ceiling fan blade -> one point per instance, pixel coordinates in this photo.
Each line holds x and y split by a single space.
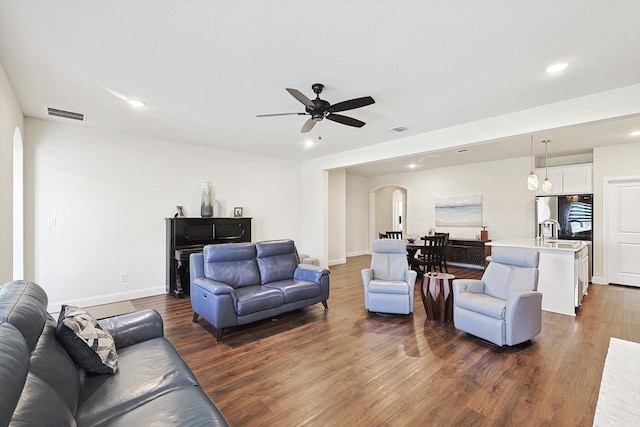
351 104
280 114
309 124
300 97
349 121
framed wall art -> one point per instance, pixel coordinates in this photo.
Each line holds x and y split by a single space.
459 211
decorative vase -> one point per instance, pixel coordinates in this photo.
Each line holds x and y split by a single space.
205 202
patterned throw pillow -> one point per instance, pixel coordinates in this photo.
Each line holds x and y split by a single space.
90 346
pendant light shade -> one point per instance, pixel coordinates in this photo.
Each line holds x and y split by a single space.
532 179
547 187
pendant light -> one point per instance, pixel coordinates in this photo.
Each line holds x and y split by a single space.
532 180
546 185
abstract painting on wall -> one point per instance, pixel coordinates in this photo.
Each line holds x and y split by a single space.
459 211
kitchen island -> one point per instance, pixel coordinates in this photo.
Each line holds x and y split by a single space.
563 271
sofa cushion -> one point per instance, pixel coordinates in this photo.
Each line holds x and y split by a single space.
233 264
277 260
482 303
24 305
296 290
51 363
251 299
146 371
184 407
388 287
14 366
41 405
87 343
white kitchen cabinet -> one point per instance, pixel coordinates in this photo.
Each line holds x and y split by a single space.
563 271
583 273
572 179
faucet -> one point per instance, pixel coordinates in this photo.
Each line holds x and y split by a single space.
554 229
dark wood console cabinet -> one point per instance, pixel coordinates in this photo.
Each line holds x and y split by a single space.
186 236
468 252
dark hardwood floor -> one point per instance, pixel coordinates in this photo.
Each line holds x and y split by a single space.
348 367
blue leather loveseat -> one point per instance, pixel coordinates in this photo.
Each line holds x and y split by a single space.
40 385
238 283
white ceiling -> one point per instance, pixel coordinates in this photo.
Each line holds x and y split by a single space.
205 69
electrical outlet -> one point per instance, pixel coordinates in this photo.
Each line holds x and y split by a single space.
123 277
51 221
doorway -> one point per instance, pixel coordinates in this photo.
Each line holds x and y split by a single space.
622 231
387 210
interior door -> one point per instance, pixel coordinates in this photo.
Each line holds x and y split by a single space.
622 206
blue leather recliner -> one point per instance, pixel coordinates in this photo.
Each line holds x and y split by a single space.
389 283
503 307
238 283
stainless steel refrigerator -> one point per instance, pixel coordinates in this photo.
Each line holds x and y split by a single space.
572 211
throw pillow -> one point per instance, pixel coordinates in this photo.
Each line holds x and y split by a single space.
90 346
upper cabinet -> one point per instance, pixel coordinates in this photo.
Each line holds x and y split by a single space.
572 179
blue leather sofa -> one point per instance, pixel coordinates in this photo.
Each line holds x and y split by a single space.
42 386
238 283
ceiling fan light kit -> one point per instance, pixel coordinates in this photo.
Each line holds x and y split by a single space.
320 109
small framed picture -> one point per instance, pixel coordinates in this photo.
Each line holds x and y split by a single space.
237 212
180 211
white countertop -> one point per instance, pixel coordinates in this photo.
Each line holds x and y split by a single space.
540 244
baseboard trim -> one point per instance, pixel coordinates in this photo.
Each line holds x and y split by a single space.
357 253
56 306
337 261
598 280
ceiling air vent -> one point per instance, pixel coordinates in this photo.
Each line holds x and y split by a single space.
398 129
55 112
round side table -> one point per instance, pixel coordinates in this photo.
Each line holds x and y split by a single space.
437 296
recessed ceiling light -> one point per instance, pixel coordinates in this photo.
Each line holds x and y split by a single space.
135 103
555 68
432 155
635 133
398 129
412 166
462 150
308 143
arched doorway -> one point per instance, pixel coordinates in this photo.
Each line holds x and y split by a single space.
387 210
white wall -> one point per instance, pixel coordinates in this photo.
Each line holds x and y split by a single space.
609 162
502 185
10 119
108 194
357 217
337 216
600 106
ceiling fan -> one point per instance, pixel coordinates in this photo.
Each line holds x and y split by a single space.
320 109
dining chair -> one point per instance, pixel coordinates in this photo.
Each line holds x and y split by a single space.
382 235
394 235
430 256
443 252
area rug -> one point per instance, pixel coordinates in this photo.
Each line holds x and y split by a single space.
110 310
619 398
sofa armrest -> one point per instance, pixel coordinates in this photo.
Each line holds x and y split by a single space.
133 328
523 317
196 266
474 286
310 273
526 305
410 277
367 276
213 286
